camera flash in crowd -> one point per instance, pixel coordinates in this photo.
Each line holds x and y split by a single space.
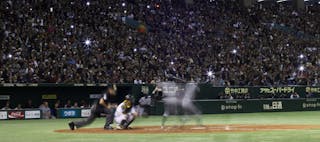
301 68
171 63
125 11
87 42
234 51
123 4
157 5
9 56
209 73
51 9
71 26
88 3
135 50
301 56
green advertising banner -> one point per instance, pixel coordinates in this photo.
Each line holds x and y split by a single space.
69 113
247 106
73 112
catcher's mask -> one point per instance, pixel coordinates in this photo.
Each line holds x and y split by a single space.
127 104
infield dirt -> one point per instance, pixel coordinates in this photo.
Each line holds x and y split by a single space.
193 129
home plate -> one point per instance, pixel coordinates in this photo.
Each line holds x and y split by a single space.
227 127
198 128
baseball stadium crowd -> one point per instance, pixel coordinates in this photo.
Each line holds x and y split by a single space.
209 41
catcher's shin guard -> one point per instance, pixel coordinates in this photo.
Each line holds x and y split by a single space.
126 125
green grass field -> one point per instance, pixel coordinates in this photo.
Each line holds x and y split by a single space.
43 130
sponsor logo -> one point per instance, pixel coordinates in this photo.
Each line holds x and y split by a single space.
95 96
33 84
231 107
49 97
3 115
276 105
85 112
16 115
69 113
310 105
8 85
32 114
78 84
4 97
277 90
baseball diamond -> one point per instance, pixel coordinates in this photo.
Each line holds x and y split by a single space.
244 127
195 129
159 70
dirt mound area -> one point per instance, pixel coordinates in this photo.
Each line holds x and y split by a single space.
193 129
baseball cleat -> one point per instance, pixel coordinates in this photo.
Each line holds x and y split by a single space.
129 128
119 128
71 126
108 128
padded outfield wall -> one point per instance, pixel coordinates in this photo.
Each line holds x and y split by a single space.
206 99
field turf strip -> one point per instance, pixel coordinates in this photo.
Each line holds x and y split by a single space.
42 130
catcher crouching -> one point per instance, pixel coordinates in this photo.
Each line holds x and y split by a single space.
125 114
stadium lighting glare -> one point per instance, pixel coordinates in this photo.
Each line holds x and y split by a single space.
88 3
87 42
209 73
234 51
301 56
123 4
301 68
9 56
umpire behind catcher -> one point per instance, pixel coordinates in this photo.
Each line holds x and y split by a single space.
103 105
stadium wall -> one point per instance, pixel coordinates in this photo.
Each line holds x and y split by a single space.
207 99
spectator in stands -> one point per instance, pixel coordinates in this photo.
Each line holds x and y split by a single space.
221 95
19 107
283 95
46 111
55 109
68 104
239 96
29 104
75 105
310 95
268 44
83 104
229 97
7 106
247 96
294 95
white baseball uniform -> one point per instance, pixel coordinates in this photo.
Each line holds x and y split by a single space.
121 115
